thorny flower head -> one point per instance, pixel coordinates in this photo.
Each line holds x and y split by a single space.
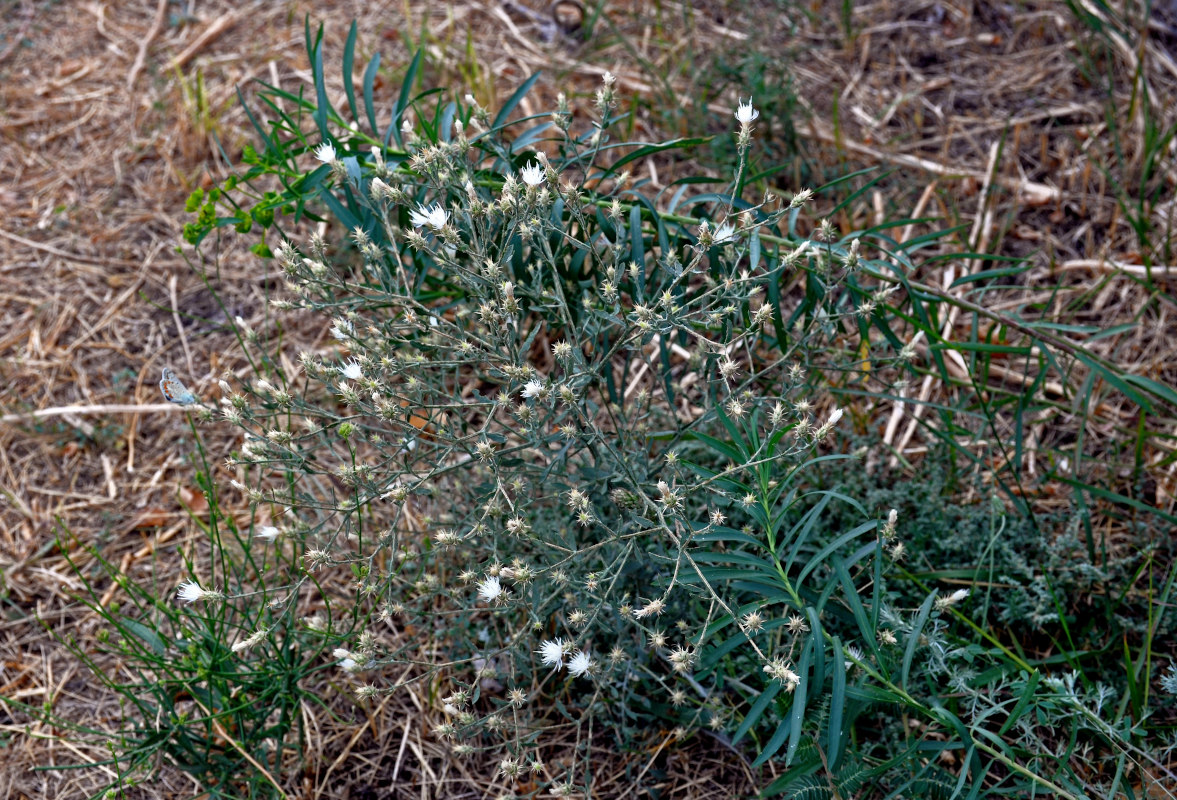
745 113
532 174
435 216
191 591
581 664
325 153
551 652
490 590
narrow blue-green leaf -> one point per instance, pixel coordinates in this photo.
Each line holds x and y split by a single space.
402 101
982 347
650 149
783 729
913 640
340 211
774 299
513 101
865 628
1023 702
445 127
835 739
816 561
721 447
800 532
797 714
819 653
987 274
1153 387
1114 380
146 634
321 104
528 136
757 709
637 249
349 56
369 81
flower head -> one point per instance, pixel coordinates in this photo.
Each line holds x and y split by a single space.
325 153
532 174
268 532
533 388
435 216
352 370
724 233
551 652
250 641
490 590
580 664
943 603
745 113
191 591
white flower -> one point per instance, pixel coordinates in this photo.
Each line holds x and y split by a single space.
190 592
532 174
580 664
551 652
250 641
352 371
834 417
745 113
435 216
342 329
957 596
490 590
325 152
724 233
268 532
943 603
533 388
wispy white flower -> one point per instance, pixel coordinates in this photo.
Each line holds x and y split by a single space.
580 664
250 641
190 592
533 388
834 417
325 152
268 532
745 113
435 216
724 233
342 329
532 174
551 652
352 371
490 590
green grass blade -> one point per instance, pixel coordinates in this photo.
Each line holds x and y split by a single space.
913 639
835 736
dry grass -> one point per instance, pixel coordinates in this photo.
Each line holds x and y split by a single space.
109 116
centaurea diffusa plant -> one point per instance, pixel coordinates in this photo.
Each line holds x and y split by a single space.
570 422
532 379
